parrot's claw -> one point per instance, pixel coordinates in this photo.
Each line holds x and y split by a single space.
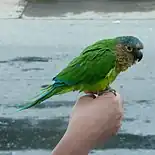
109 89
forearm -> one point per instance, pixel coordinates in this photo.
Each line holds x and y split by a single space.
69 146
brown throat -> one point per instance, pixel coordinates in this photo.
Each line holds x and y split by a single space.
124 58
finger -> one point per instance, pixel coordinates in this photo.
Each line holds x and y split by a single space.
90 95
84 100
87 98
109 95
87 92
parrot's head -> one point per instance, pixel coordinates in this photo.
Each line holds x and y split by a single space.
131 46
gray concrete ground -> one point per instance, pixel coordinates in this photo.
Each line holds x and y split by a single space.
78 9
33 51
63 8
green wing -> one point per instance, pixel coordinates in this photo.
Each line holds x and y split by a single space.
93 64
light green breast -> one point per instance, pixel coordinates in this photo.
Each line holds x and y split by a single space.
102 84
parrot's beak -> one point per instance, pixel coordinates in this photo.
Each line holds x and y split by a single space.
138 55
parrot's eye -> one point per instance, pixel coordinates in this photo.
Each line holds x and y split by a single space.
129 49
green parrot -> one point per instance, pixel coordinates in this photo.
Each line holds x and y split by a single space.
94 69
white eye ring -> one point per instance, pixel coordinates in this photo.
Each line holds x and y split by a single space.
129 49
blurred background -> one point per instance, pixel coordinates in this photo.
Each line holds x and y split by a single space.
37 40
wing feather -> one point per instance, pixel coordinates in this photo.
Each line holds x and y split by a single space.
91 66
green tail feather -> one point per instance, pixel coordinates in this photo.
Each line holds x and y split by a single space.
45 94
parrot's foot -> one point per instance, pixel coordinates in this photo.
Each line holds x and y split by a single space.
107 90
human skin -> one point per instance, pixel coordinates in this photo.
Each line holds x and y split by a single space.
93 121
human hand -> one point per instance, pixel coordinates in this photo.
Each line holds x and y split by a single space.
93 120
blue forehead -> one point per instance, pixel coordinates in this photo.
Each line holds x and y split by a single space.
130 41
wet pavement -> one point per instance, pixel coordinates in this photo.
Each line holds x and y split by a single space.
89 9
33 51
